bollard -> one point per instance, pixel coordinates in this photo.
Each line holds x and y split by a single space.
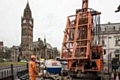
112 76
12 72
27 68
27 65
39 67
117 76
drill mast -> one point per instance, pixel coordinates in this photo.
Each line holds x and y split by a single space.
78 48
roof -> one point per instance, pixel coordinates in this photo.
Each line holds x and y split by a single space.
27 6
27 11
15 46
37 43
109 23
49 46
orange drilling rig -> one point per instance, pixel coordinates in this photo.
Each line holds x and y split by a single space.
84 56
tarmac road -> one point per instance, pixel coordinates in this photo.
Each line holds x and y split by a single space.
105 78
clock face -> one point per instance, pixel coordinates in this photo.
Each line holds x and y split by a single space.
24 21
30 22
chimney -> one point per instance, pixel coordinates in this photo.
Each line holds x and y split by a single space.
38 39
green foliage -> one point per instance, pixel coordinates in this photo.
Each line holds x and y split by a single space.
6 54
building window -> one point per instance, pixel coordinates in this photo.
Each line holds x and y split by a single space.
105 29
103 43
99 28
117 56
113 27
109 37
117 51
104 51
117 41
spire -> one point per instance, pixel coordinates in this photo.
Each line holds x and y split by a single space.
27 6
45 41
27 11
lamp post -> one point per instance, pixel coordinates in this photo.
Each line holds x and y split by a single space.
109 59
44 49
44 46
39 52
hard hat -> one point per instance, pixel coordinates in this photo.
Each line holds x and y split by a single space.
32 56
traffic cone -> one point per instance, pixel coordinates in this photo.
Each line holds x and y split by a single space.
112 76
117 77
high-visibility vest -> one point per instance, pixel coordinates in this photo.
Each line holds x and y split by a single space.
33 69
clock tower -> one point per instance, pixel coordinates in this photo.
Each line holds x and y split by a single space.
26 33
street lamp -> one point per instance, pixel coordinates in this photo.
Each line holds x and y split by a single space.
44 44
39 56
109 59
44 47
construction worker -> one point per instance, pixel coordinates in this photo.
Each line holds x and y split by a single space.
33 72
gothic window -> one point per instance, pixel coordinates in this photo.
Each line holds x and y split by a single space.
23 32
24 21
23 57
30 22
24 27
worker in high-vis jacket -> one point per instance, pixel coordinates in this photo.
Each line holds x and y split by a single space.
33 72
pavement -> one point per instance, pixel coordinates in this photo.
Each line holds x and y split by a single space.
40 78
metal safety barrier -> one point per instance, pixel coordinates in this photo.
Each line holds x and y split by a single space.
10 73
7 74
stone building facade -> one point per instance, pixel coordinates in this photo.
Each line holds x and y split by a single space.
38 48
26 32
1 45
109 35
29 47
43 49
15 51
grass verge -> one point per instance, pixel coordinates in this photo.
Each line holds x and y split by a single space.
7 64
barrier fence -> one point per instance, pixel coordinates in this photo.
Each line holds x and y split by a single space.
10 73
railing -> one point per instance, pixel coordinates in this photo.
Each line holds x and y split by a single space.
7 74
10 73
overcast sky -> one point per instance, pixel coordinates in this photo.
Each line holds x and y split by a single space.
49 18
